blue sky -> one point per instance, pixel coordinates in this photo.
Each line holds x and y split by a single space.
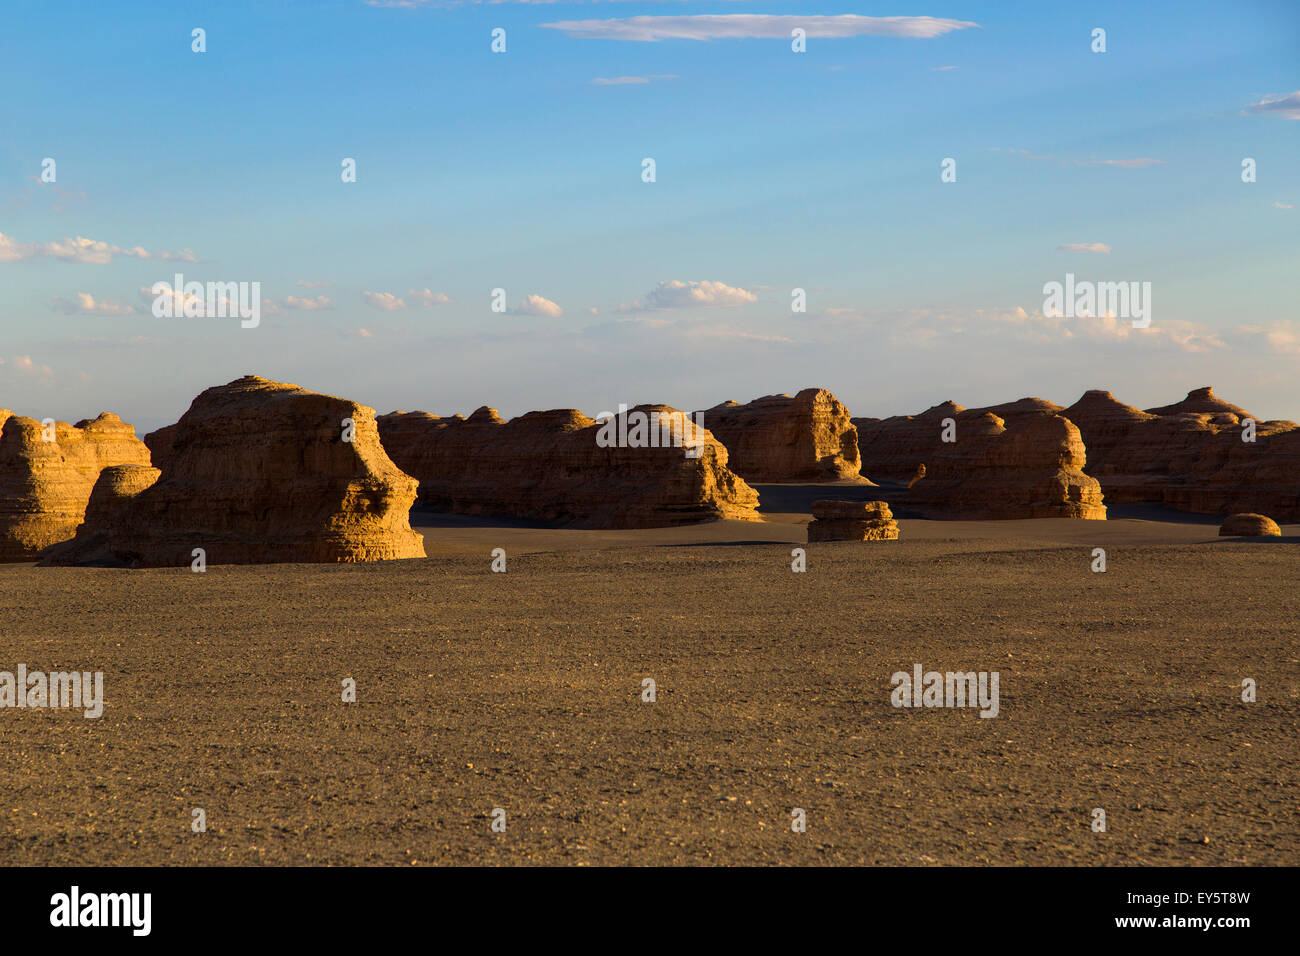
775 170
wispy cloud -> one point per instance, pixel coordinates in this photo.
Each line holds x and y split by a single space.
428 298
293 303
1287 105
85 304
1278 204
1125 163
309 284
1100 247
80 249
736 26
632 80
1135 163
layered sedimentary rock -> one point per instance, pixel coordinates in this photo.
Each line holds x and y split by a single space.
255 472
835 520
561 466
1248 526
809 437
1025 467
45 485
1191 455
1019 460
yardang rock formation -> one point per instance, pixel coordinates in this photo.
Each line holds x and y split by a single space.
255 472
549 466
46 485
1191 455
1019 460
809 437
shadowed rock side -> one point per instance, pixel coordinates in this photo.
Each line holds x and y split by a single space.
45 486
1020 460
549 466
1191 455
778 438
255 472
838 520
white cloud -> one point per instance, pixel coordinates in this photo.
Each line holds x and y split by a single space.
84 304
537 305
364 333
632 80
1277 204
293 303
385 301
676 294
1287 105
180 298
753 25
428 298
1085 247
83 250
309 284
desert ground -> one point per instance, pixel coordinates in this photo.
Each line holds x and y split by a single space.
523 690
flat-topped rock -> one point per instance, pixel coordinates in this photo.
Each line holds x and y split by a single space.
809 437
1249 526
256 472
838 520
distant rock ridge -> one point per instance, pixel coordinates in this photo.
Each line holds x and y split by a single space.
45 486
550 466
255 472
1191 456
776 438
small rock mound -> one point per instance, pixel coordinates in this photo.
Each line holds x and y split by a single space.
1249 526
837 520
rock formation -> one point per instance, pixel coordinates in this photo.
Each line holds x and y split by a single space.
649 467
1191 455
45 485
1024 467
778 438
835 520
255 472
1019 460
1248 526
